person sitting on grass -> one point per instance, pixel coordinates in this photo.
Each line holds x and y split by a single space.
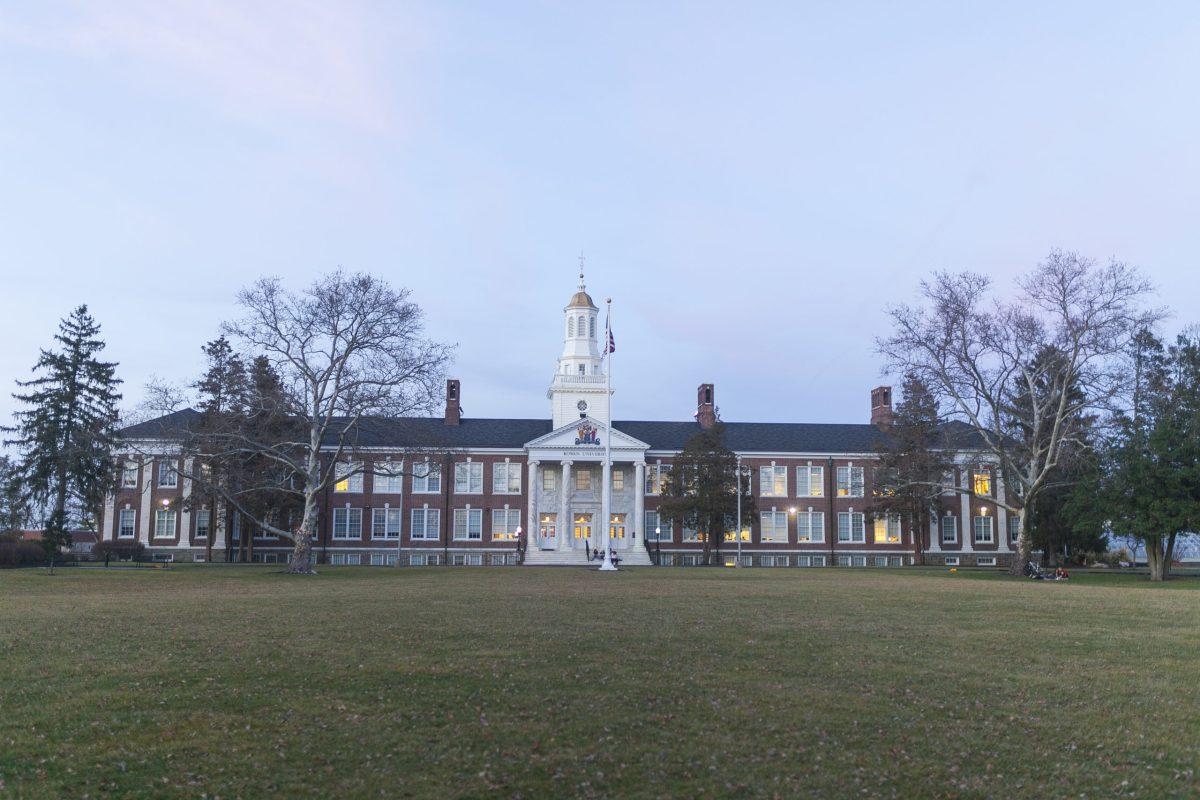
1060 574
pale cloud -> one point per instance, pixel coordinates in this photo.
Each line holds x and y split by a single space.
256 60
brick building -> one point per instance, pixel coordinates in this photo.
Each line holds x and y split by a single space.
485 483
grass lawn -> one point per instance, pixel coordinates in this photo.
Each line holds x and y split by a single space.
450 682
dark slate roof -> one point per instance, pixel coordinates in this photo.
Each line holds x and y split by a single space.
512 434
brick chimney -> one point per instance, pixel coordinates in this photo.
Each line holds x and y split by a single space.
706 410
881 406
453 408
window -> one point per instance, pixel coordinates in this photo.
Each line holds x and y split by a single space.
773 526
657 478
548 525
385 523
657 529
982 480
772 481
125 524
168 478
549 480
692 535
389 477
571 327
616 527
618 480
810 481
983 530
164 523
203 517
851 527
505 522
347 523
858 561
881 561
949 529
427 479
468 477
129 473
810 526
583 480
949 482
1014 528
506 478
383 559
348 477
887 529
345 559
849 481
732 536
952 561
592 327
803 561
985 562
426 523
468 524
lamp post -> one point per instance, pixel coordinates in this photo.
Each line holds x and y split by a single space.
738 533
519 532
658 545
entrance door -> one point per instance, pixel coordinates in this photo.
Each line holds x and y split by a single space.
547 531
616 532
582 532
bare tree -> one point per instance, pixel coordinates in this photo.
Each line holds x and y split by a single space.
986 359
347 349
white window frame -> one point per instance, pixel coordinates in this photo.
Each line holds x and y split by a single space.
549 480
168 478
893 530
813 526
953 529
855 521
350 523
171 517
203 522
985 561
129 475
1014 528
428 532
991 529
851 481
468 477
657 476
472 525
505 522
618 480
506 477
810 481
951 561
770 532
343 481
427 478
388 477
131 515
772 477
385 522
651 535
579 473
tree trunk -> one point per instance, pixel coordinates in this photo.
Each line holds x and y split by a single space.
301 561
1024 544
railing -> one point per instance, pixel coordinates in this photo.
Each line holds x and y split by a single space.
561 379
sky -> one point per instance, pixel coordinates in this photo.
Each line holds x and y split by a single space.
751 183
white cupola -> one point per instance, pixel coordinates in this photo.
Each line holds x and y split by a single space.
578 387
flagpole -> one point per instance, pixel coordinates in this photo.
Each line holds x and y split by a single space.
606 565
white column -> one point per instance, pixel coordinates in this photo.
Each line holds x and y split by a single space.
185 516
935 533
216 526
639 503
564 506
968 533
144 515
531 523
1003 545
110 518
605 506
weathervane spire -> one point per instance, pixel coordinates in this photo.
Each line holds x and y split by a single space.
581 259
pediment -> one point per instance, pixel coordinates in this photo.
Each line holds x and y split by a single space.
585 435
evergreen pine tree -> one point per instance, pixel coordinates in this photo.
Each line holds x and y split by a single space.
14 504
67 429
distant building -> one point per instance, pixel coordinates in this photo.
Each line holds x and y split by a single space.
82 541
543 476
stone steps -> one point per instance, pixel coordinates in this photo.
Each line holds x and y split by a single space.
534 557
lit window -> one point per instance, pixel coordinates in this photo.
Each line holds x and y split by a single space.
468 477
983 530
983 482
129 475
468 524
773 527
887 529
657 478
849 481
127 519
168 478
949 529
851 527
583 480
772 481
505 522
548 525
348 477
616 527
385 523
692 535
427 479
810 526
164 524
426 523
549 480
347 523
810 481
732 536
389 477
506 478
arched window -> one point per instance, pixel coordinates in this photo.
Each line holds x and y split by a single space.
570 326
592 327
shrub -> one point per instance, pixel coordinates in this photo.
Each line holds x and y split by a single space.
119 551
21 554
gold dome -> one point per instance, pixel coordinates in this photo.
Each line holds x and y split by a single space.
581 299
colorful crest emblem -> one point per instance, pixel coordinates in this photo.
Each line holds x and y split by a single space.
586 434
